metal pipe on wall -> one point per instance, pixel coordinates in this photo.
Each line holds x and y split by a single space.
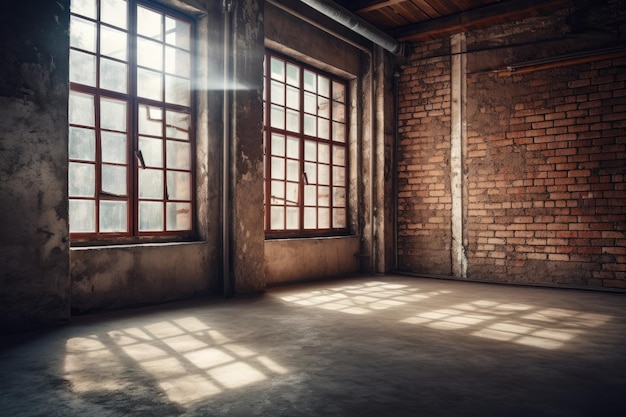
227 284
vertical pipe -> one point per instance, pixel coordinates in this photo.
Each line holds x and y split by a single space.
394 186
371 162
226 278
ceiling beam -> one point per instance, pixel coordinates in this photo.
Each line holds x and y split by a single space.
495 13
379 5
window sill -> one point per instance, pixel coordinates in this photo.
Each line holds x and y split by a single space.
136 245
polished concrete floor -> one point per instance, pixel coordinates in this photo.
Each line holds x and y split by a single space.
366 346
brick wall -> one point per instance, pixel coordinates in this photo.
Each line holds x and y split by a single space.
545 163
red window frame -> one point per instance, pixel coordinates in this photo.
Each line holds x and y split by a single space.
306 150
136 129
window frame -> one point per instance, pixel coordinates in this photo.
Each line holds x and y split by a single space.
134 102
268 130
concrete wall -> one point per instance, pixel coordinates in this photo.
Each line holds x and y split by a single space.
34 243
543 159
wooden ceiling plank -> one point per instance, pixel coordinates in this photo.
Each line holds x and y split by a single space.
411 12
379 5
426 8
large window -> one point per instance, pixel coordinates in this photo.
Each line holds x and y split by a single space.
306 156
131 146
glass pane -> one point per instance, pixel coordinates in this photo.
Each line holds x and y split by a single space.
278 192
309 81
113 43
82 68
323 218
323 153
178 185
177 125
293 170
112 114
150 120
152 151
149 23
339 132
278 69
339 155
339 197
82 34
323 86
293 98
323 196
278 93
293 75
178 154
293 147
114 179
113 216
84 7
82 216
114 12
292 219
113 75
310 150
81 180
278 117
149 84
293 120
277 218
113 147
81 109
323 128
310 171
292 198
150 216
82 144
323 107
178 216
310 218
278 145
177 32
310 125
310 195
177 90
339 112
150 54
278 168
339 218
323 174
339 175
177 62
150 183
310 103
339 92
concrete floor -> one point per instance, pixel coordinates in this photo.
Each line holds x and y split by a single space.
368 346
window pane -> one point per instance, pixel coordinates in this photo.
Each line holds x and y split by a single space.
323 196
113 216
150 54
178 216
112 114
178 185
82 68
277 218
292 197
339 112
323 86
293 147
82 144
150 183
84 7
339 197
339 92
149 23
152 151
339 132
339 218
113 43
113 75
293 98
323 218
278 192
82 34
114 12
323 107
113 147
82 216
278 168
278 93
178 155
150 120
310 218
177 125
278 145
323 128
292 218
81 180
310 125
310 103
293 170
293 75
339 155
278 117
310 195
323 153
310 150
114 179
150 216
293 120
310 170
339 175
177 90
278 69
177 62
177 32
323 174
81 109
149 84
309 81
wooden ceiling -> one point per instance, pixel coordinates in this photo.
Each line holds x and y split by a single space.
414 20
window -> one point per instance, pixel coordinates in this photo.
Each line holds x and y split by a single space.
131 142
306 156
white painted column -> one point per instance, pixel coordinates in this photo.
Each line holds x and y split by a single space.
457 151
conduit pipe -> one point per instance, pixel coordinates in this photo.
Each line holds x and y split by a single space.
227 284
348 19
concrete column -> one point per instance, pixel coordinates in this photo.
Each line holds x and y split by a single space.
457 151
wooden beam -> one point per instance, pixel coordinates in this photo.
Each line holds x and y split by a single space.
377 6
495 13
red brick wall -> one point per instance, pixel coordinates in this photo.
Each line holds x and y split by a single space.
545 165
